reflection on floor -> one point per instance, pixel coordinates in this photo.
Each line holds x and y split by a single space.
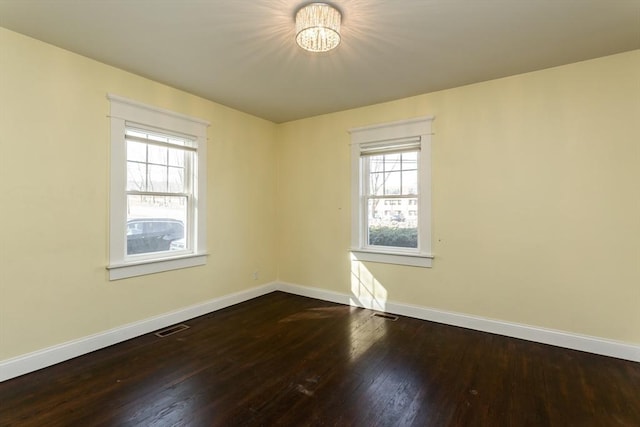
282 359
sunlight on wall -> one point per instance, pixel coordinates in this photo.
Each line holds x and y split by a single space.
366 290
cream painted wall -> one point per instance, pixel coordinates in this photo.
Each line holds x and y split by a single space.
54 151
536 200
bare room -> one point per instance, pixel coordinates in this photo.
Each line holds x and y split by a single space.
349 213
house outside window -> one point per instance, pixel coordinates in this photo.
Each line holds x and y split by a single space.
391 166
158 190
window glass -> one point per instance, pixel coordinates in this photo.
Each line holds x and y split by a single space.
392 162
410 182
176 157
392 183
157 155
136 176
136 151
154 222
157 179
176 180
393 174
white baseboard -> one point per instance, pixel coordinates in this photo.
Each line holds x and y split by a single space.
30 362
36 360
564 339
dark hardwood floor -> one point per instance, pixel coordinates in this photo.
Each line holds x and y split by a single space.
287 360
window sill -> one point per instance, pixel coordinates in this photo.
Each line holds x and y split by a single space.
398 258
141 268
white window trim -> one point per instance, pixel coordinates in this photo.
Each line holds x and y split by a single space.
388 133
125 111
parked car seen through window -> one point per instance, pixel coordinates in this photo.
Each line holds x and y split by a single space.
146 235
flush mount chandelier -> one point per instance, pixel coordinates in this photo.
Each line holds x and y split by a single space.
318 27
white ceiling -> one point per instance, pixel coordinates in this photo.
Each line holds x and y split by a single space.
242 53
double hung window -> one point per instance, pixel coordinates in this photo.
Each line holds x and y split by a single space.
158 179
391 192
160 196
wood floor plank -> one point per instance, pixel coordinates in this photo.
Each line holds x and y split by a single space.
286 360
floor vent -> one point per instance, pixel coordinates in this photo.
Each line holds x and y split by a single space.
170 331
386 316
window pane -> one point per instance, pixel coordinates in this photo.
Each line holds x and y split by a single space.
410 160
157 155
392 183
136 176
136 151
376 164
176 157
376 184
410 182
176 180
157 180
156 223
391 227
392 162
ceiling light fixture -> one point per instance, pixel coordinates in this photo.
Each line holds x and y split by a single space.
318 27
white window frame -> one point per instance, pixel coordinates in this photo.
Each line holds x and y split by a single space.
128 113
415 131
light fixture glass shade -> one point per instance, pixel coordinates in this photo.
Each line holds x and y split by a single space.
318 27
